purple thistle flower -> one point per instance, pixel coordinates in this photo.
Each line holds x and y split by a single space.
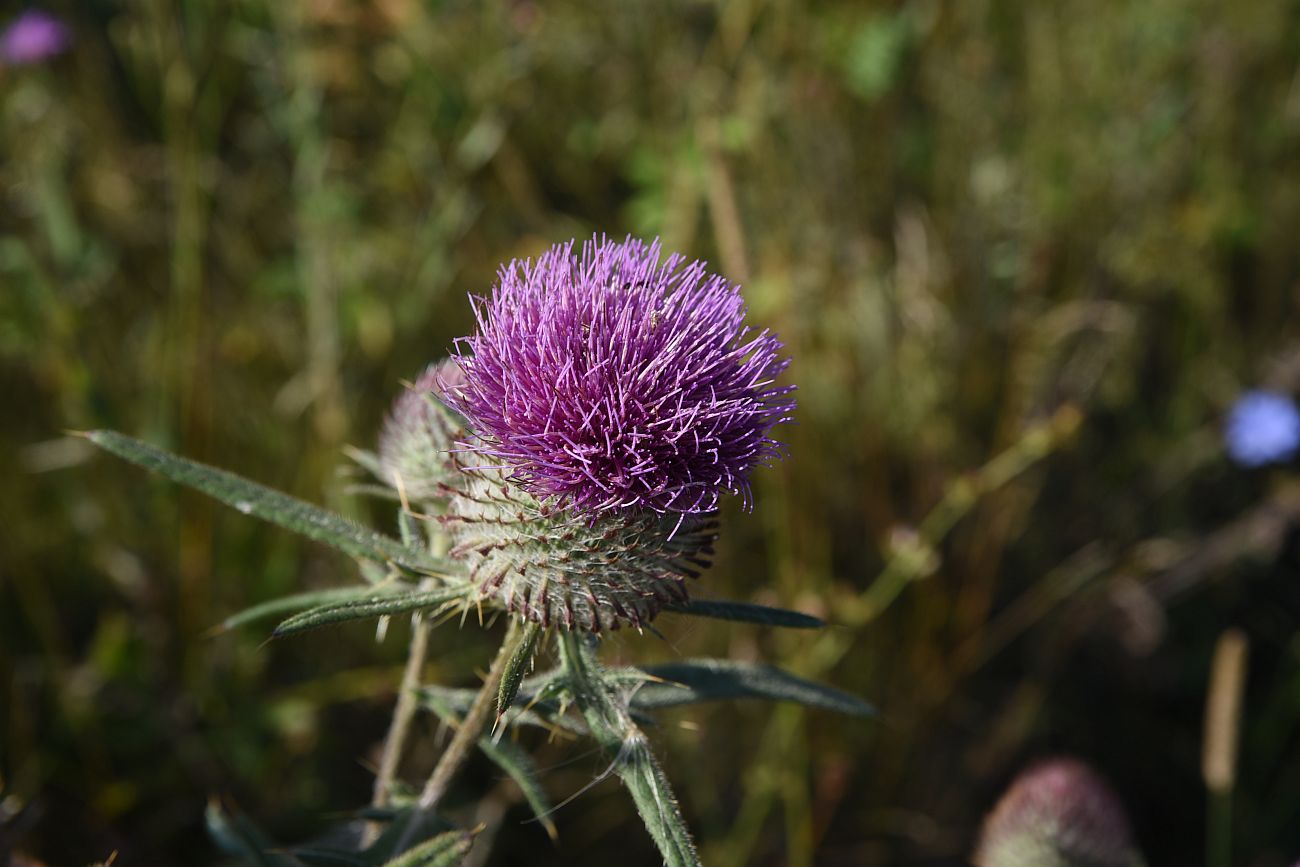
1263 427
32 37
610 379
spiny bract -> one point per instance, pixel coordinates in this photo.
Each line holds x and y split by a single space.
555 567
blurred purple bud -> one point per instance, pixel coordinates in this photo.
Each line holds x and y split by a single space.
32 37
416 443
1263 427
1059 813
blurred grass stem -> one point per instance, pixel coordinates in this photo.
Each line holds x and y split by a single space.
405 709
317 385
914 556
403 713
723 208
1222 733
189 119
467 734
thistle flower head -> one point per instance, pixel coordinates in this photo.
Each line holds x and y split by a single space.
1059 813
611 379
554 566
32 37
1263 427
419 435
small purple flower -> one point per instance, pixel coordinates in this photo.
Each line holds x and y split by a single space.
32 37
611 379
1263 427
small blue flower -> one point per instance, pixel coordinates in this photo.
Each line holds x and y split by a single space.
1263 428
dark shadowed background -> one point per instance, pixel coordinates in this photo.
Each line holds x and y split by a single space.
1023 254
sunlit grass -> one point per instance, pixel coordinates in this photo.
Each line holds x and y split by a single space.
234 228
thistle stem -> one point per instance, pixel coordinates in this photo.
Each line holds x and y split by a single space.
467 734
399 728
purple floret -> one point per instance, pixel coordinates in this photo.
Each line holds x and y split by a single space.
610 379
32 37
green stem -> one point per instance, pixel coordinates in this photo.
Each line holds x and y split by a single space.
403 714
467 735
626 746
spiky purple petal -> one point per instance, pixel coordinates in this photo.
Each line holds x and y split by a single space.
612 379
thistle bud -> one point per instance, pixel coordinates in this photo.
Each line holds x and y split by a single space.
614 396
418 438
554 566
1059 813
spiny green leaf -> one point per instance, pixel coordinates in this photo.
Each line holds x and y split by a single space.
373 572
446 850
507 756
624 743
298 602
373 605
519 766
235 834
458 419
696 680
408 530
656 803
311 856
270 505
517 666
365 489
399 820
367 460
544 714
747 612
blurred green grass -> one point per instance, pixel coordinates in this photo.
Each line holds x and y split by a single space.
234 228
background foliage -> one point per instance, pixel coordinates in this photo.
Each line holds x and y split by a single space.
1061 229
